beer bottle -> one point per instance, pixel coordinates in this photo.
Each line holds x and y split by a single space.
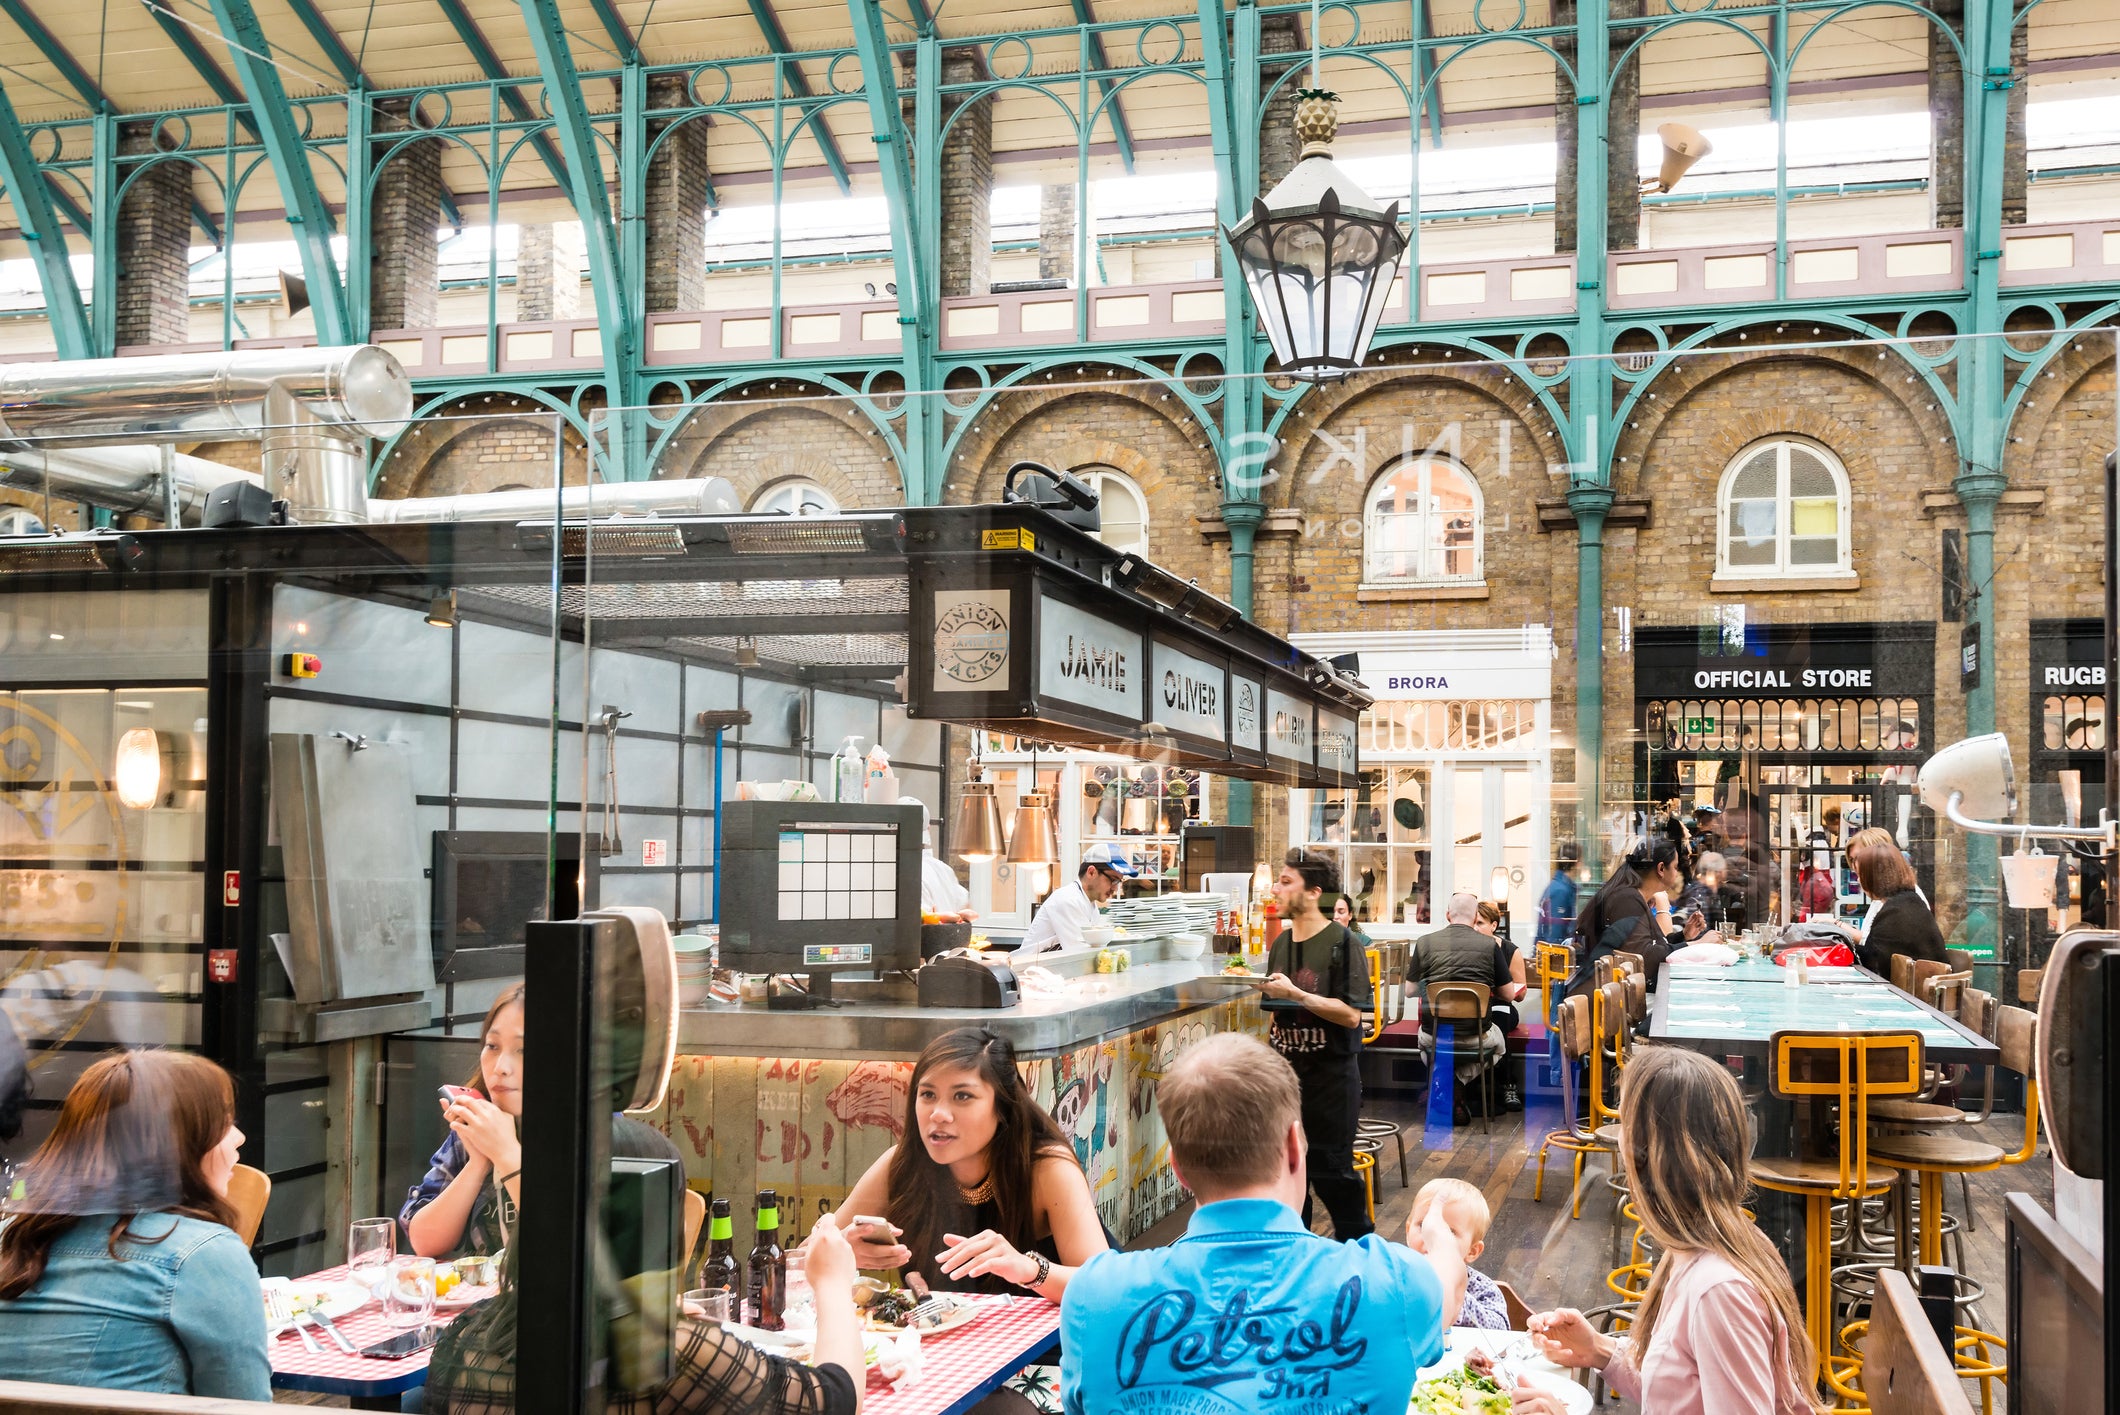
769 1268
720 1272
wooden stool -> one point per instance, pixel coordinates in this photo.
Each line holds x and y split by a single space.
1578 1043
1847 1069
1933 1154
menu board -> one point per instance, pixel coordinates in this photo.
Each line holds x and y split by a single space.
834 871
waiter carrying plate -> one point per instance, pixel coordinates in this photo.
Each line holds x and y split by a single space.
1074 906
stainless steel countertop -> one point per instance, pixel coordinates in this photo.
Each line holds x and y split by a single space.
1039 1024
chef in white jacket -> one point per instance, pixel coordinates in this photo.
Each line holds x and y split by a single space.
1072 907
940 892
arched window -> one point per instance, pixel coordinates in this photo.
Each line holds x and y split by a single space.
795 498
1782 511
20 521
1422 525
1121 508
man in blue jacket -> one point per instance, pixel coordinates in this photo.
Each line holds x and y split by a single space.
1250 1311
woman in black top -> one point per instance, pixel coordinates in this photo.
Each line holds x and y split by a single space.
983 1193
1903 923
1631 914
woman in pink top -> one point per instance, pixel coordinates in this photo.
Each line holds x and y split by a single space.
1718 1329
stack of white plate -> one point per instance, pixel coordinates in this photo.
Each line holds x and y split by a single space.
1157 916
695 967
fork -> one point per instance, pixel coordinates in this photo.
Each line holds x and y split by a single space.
283 1316
927 1309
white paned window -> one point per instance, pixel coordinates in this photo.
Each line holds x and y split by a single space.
1422 526
1782 511
1121 507
795 498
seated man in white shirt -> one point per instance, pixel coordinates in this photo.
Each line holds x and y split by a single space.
1073 907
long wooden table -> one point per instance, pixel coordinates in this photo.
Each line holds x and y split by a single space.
1735 1011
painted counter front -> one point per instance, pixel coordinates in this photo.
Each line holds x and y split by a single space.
809 1126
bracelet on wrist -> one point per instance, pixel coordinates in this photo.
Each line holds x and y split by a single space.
1045 1271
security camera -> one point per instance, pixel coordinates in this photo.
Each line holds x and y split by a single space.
1978 772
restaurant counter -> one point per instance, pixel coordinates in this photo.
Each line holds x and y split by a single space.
803 1102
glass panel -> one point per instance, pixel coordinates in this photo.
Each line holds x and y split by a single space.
1815 516
1809 476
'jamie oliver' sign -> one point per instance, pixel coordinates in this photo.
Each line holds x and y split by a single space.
1087 660
1288 734
1247 713
1187 694
1336 743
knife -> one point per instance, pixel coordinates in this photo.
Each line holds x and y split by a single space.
336 1335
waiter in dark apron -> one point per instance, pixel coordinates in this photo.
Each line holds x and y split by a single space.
1318 995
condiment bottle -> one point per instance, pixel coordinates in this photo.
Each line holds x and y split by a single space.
769 1268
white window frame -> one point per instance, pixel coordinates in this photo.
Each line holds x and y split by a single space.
1478 576
796 485
1097 477
1843 564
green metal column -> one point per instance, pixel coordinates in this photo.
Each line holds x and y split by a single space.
103 239
360 169
251 55
1981 477
39 224
592 203
1589 401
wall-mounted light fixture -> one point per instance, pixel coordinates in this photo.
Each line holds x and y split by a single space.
145 769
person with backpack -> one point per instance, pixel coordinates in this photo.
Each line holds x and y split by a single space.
1317 993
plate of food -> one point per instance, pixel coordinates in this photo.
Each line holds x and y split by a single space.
464 1283
330 1300
895 1309
1450 1387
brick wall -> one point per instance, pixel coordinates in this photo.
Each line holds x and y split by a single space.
154 248
676 205
404 276
548 271
1623 207
826 442
461 449
1278 34
967 181
1056 231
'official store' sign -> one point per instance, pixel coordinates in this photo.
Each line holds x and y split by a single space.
1710 679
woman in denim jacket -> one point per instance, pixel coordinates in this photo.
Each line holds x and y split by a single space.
118 1266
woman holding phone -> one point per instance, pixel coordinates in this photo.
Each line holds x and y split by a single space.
984 1194
451 1211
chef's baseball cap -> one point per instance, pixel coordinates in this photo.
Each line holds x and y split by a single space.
1107 857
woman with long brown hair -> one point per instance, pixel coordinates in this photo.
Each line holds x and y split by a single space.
451 1210
118 1265
1718 1329
983 1193
1898 919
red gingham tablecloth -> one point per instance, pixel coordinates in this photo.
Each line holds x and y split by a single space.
955 1368
959 1366
296 1367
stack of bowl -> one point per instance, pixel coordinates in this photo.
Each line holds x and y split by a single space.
695 967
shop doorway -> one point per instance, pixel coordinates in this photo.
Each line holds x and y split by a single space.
1492 816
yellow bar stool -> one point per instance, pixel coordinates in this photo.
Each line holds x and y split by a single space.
1934 1154
1555 962
1845 1070
1578 1043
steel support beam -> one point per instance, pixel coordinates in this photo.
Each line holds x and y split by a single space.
251 54
799 85
56 54
592 203
40 227
489 64
1981 430
1589 433
912 224
1122 135
622 40
1424 70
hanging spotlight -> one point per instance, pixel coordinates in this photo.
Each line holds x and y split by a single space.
1033 838
976 833
442 612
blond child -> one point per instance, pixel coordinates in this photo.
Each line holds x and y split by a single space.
1466 1214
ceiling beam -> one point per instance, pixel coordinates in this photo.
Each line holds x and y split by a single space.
335 51
57 56
63 309
1121 134
1426 71
311 219
180 34
592 203
489 63
615 25
799 85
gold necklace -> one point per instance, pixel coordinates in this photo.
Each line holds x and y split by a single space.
979 1193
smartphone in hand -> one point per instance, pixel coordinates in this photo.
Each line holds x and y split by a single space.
453 1093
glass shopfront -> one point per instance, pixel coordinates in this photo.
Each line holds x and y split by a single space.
2066 779
1455 777
1798 736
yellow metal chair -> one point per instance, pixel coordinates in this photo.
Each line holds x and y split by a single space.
249 1190
1933 1155
1578 1040
1376 995
1555 962
1846 1070
1365 1164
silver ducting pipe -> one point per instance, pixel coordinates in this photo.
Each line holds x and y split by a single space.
310 408
120 478
707 496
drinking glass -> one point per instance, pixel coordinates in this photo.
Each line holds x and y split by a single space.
370 1245
709 1304
408 1297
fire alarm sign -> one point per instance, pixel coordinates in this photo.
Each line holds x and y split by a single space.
221 965
232 888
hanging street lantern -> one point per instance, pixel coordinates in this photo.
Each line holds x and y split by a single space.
1319 255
